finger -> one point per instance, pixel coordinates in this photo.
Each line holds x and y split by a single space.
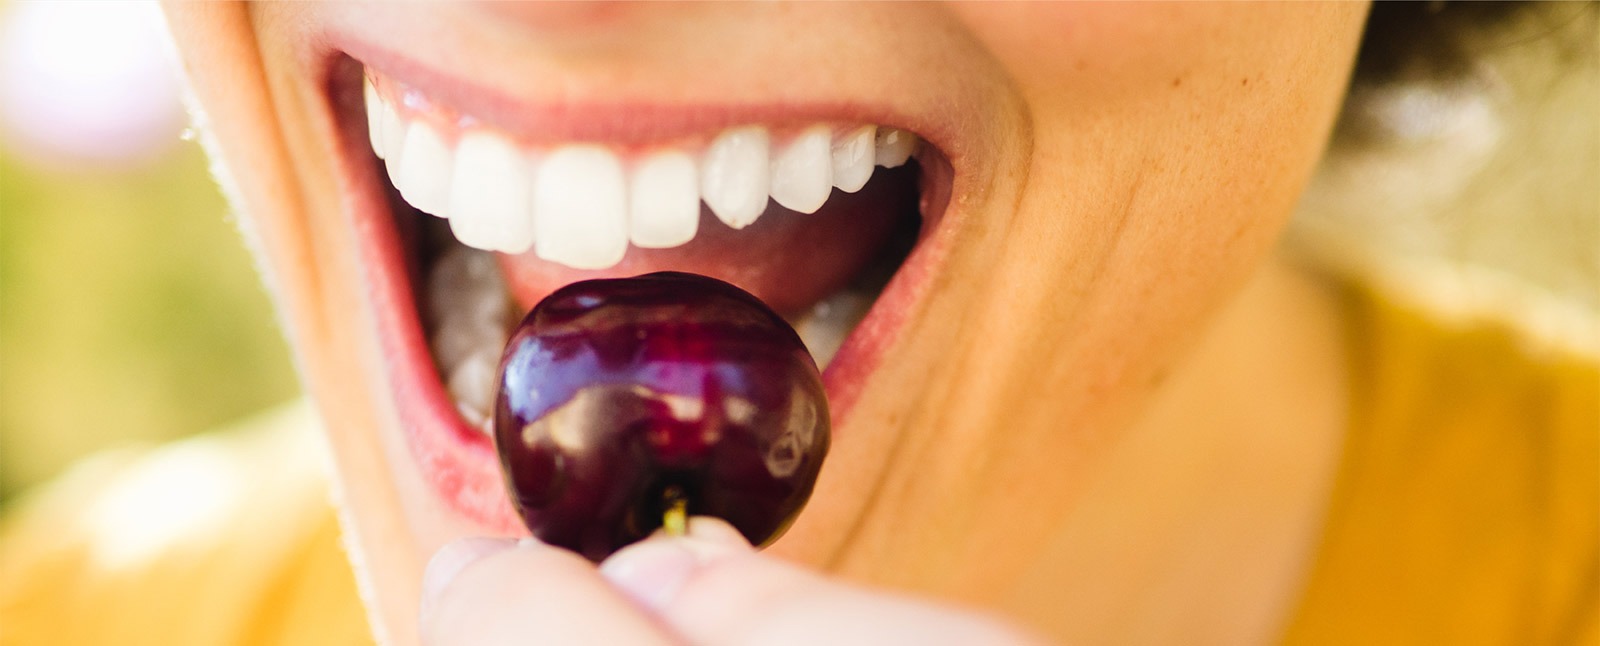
487 592
652 572
719 592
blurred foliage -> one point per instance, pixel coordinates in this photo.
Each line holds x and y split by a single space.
129 313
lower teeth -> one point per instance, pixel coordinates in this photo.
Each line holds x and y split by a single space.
472 315
824 329
472 386
467 303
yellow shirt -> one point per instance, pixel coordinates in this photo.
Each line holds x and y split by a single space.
1465 512
1467 504
226 538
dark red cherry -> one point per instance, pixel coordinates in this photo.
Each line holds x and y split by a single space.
619 397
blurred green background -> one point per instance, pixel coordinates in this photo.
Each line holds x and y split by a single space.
129 310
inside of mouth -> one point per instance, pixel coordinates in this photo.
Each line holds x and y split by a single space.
823 271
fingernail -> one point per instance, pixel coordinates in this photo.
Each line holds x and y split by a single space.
451 559
717 532
651 572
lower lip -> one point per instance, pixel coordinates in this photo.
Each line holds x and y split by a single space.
458 460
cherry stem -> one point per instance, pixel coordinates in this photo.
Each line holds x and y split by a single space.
676 518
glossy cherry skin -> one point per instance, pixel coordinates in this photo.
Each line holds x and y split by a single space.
612 392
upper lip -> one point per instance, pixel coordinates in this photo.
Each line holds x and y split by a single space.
536 117
463 468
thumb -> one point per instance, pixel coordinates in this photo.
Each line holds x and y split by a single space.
713 589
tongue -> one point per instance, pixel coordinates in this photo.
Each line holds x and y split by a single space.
789 260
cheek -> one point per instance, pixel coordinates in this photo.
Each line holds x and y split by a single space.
1166 145
1092 54
1179 133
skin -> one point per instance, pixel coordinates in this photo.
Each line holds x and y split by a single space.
1112 395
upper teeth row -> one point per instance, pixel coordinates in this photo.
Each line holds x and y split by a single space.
580 204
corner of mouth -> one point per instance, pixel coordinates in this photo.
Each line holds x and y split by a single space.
405 253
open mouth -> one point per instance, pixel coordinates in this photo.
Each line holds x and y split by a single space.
468 217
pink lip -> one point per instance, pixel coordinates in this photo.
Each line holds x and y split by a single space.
621 121
459 461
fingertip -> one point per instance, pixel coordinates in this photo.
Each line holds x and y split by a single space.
451 559
652 571
716 531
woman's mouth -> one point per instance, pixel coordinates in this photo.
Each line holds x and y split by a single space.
469 218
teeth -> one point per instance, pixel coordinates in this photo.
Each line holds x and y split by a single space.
854 157
582 204
393 129
830 322
580 215
374 118
425 168
491 190
471 383
733 176
467 301
802 175
467 297
664 199
895 147
393 142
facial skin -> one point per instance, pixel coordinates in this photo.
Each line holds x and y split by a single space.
1099 310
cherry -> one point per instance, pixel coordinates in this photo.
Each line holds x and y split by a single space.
624 402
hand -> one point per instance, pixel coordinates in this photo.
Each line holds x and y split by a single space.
709 587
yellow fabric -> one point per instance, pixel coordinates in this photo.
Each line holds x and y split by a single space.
223 539
1467 503
1465 513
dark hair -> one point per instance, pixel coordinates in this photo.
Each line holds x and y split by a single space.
1443 44
1436 37
1464 156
